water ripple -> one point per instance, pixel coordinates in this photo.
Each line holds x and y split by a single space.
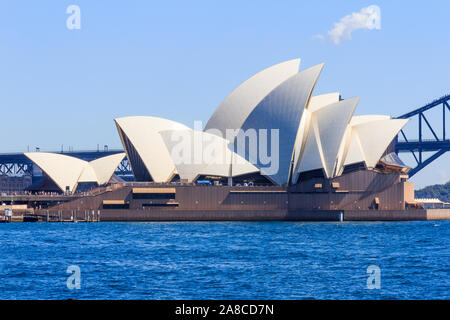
225 260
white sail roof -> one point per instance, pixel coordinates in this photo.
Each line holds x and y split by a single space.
282 110
87 175
374 145
198 153
325 135
332 122
234 110
104 167
318 102
68 172
311 156
146 151
304 135
63 170
368 137
301 133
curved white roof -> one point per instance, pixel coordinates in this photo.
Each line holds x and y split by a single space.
332 122
63 170
318 102
304 135
198 153
104 167
325 136
314 133
68 171
234 110
363 145
351 151
146 151
356 120
282 110
311 157
87 175
374 145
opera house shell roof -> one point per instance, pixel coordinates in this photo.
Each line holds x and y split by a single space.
271 128
68 172
314 133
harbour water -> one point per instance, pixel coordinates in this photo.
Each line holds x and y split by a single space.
273 260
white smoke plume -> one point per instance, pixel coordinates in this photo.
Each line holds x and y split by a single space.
368 18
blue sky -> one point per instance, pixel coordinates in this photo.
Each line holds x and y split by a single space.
180 59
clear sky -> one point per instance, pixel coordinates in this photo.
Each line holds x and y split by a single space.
180 59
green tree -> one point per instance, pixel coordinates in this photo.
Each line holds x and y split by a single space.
440 191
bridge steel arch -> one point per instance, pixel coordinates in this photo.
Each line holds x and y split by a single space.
417 146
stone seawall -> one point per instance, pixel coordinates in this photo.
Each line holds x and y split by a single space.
232 215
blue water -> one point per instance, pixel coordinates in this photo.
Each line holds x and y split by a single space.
225 260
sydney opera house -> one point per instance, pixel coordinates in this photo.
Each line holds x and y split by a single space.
270 145
315 133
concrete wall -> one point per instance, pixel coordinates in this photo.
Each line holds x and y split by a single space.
359 190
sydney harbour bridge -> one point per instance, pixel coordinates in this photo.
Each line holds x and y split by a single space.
415 143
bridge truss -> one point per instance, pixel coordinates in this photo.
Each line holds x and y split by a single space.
417 146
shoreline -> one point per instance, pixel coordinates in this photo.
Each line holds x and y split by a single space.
72 216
